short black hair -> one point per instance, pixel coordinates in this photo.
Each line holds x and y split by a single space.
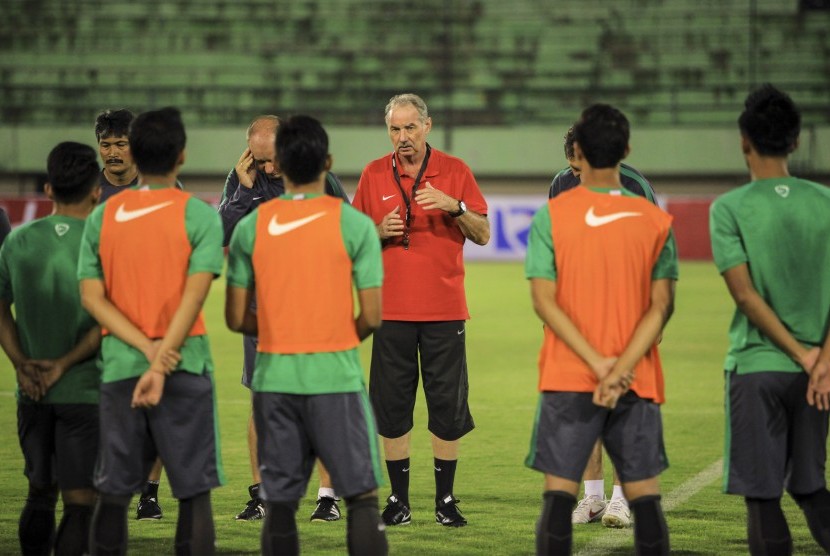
113 123
157 138
771 121
302 149
72 171
602 133
569 143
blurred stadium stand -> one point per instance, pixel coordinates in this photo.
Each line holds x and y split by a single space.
478 62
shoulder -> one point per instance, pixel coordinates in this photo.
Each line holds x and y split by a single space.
448 161
382 164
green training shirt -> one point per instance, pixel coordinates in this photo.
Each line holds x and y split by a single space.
311 373
204 231
38 264
780 228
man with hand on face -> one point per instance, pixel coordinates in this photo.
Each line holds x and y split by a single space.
256 179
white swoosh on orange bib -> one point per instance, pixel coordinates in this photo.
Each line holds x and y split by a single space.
594 221
124 215
277 229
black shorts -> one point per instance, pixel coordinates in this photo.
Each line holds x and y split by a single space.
59 443
182 430
393 380
568 425
249 345
774 438
293 430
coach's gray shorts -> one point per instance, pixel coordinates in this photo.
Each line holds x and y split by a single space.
568 425
181 430
293 430
774 439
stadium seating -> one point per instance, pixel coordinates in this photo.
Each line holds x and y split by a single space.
481 62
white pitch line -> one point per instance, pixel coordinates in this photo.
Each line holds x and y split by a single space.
610 539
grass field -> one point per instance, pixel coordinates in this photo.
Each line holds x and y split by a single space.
500 497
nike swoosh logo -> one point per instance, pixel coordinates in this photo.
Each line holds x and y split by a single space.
277 229
460 332
257 198
592 514
594 221
124 215
387 197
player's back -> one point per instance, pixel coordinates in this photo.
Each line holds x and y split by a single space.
785 233
39 265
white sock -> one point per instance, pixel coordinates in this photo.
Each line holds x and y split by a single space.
595 488
325 492
618 493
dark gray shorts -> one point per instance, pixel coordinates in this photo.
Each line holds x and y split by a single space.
774 439
393 380
249 345
568 425
59 443
293 430
182 430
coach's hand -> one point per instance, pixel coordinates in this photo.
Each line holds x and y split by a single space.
246 169
391 225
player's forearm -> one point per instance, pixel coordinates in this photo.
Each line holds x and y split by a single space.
650 327
195 292
370 316
475 227
86 347
543 293
238 314
9 338
761 315
110 317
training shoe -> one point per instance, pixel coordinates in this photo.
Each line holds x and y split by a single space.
447 512
589 509
617 515
326 510
148 509
396 512
254 509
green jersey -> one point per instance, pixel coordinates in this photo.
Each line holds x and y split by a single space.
780 228
203 231
38 263
311 373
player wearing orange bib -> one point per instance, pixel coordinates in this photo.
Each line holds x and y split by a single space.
305 251
602 265
147 261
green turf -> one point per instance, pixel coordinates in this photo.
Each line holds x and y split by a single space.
500 497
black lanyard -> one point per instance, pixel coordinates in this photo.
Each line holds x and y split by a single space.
407 200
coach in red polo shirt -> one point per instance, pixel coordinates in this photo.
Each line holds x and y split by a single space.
425 204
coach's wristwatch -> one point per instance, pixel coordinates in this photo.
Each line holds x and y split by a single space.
462 208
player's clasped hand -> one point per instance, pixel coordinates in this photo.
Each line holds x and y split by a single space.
150 387
391 225
611 388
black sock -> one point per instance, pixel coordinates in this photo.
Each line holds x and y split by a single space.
365 533
253 490
73 533
399 478
36 528
444 477
767 530
279 532
651 534
108 531
195 534
151 490
554 531
816 508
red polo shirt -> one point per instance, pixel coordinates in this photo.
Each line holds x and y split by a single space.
426 281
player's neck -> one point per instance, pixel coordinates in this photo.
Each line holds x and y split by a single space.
768 167
314 188
75 210
121 179
168 180
601 177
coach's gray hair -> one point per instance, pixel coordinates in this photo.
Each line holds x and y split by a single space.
407 98
268 122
